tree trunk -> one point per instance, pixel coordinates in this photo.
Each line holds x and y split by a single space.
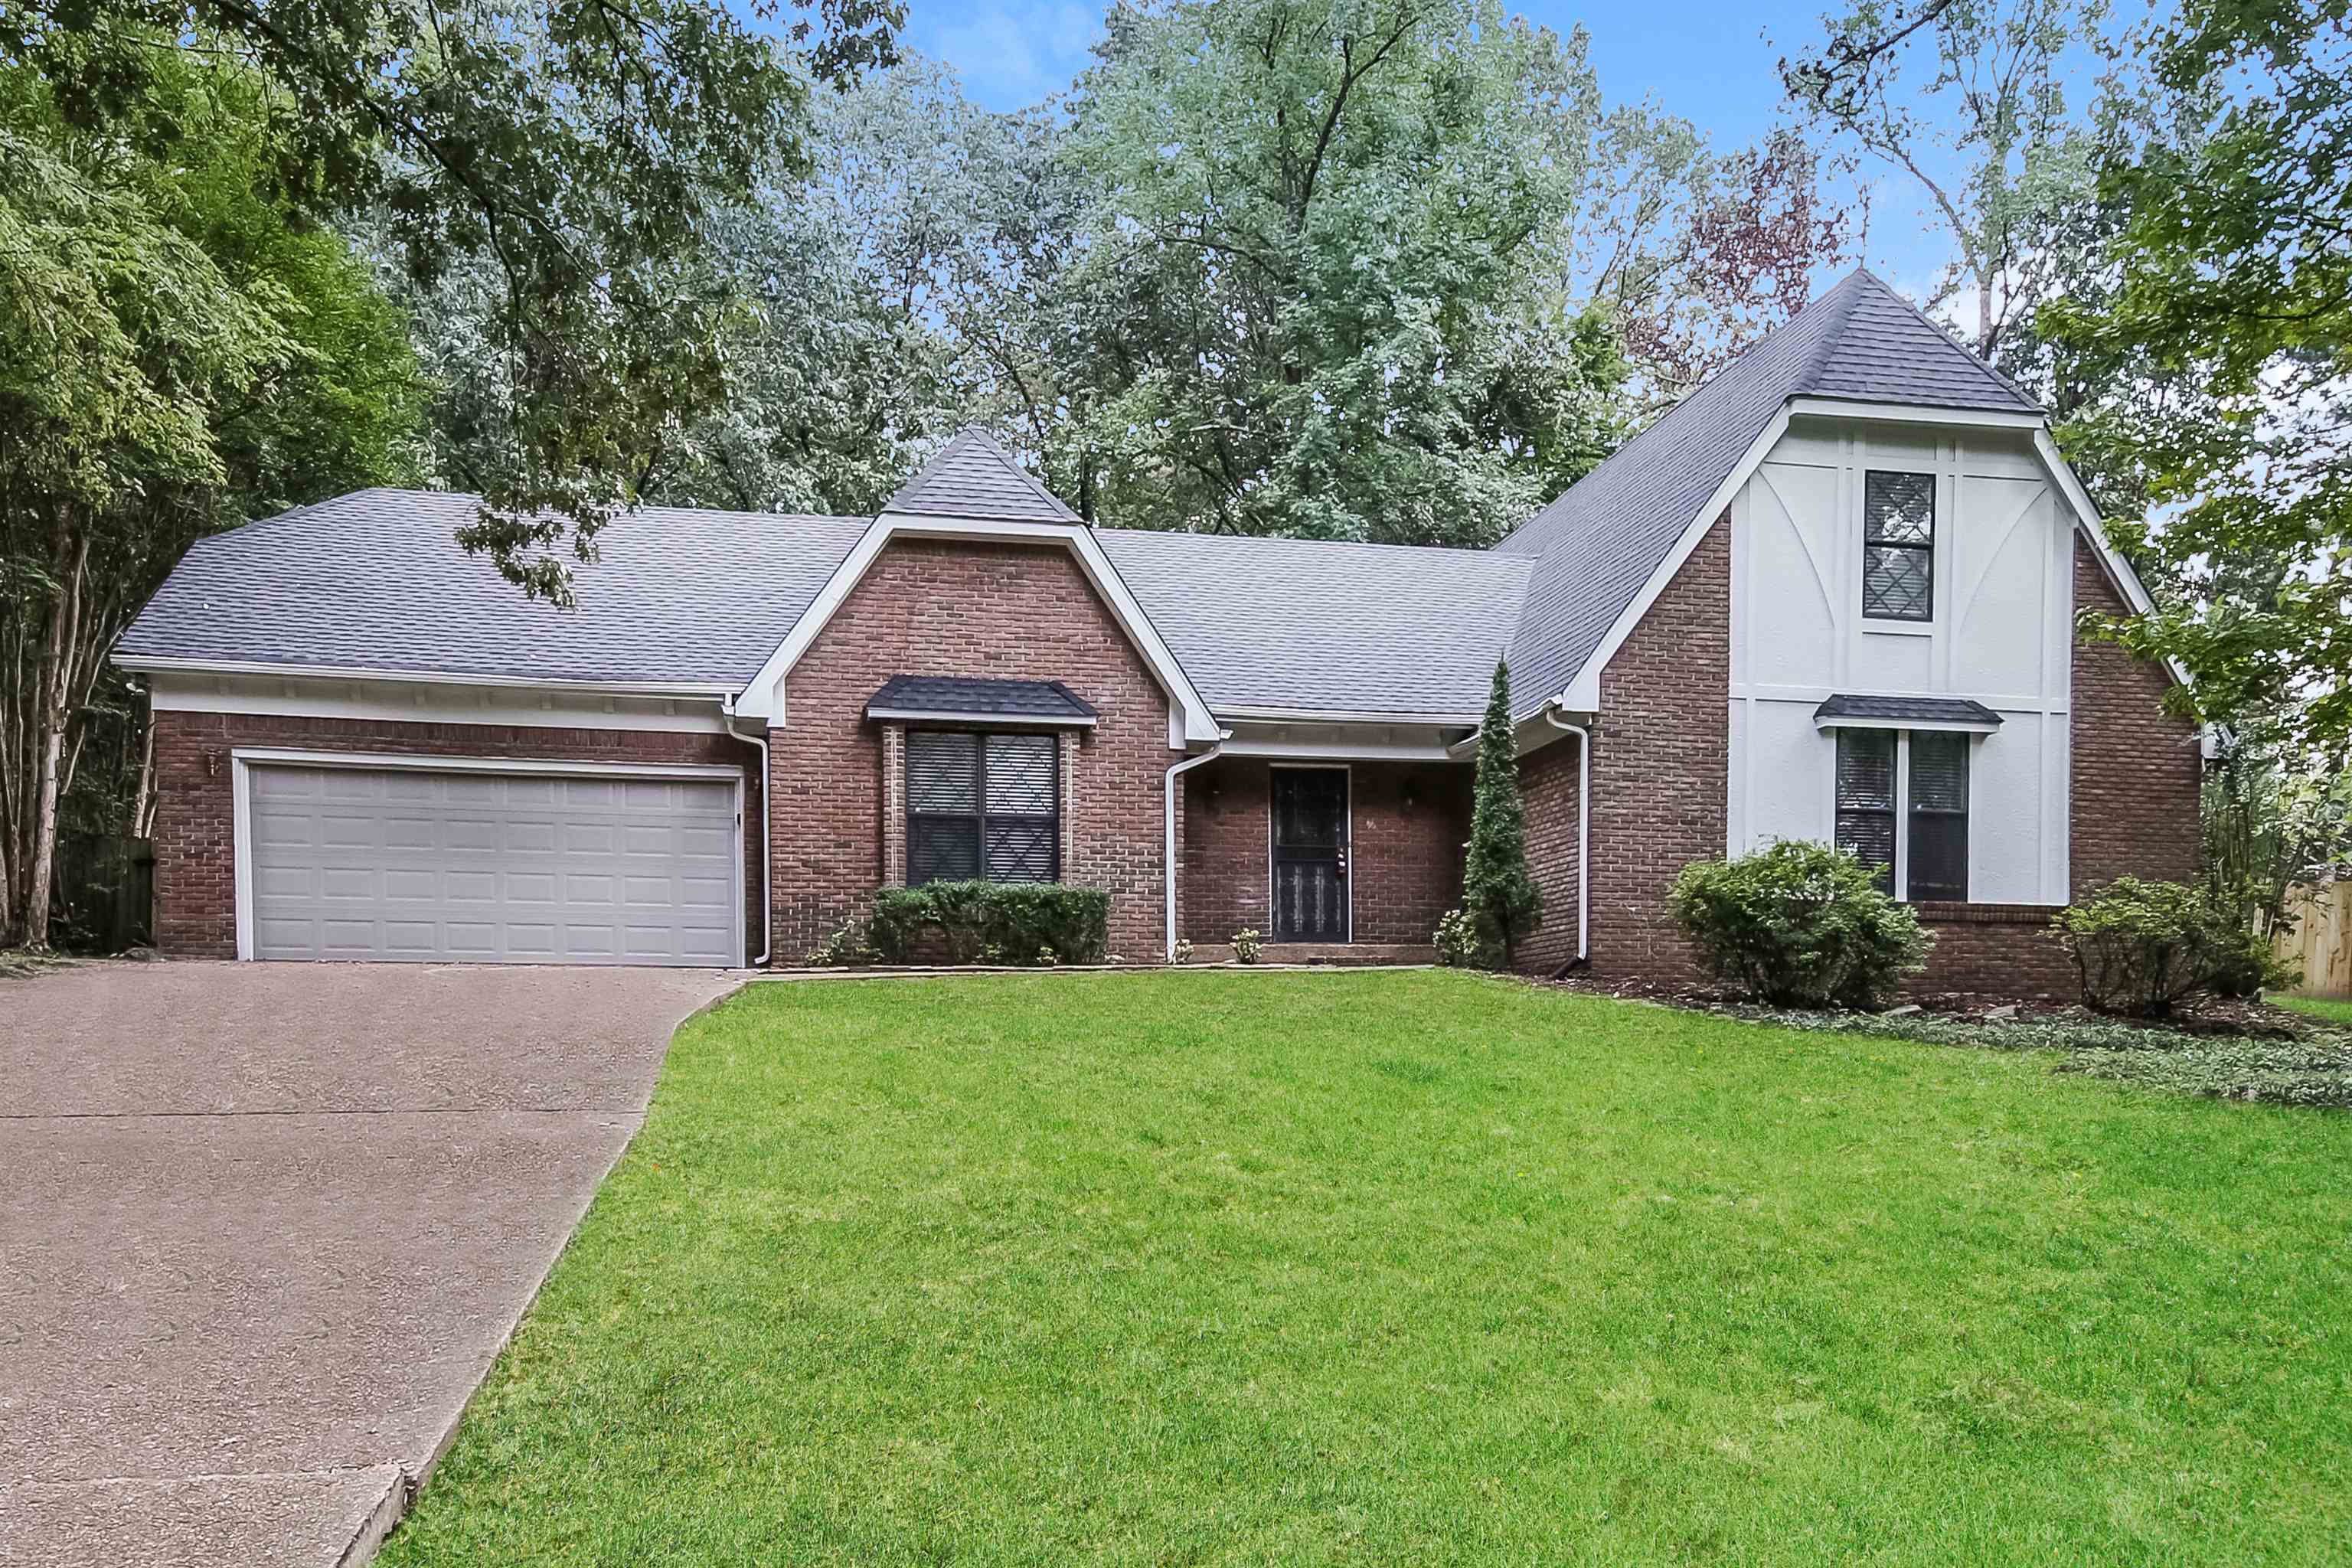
55 706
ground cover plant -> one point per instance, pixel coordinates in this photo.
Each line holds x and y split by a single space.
1231 1267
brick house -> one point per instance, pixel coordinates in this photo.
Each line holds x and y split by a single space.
1833 594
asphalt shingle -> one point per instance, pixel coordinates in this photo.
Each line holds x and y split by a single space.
972 476
374 580
971 694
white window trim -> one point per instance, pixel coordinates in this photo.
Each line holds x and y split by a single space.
1939 480
244 759
1347 846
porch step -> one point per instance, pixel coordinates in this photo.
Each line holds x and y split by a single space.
1334 954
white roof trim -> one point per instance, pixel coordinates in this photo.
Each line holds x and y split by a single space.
1817 405
1244 713
708 691
1190 722
1583 694
2086 517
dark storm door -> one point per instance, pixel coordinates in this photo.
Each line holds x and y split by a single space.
1310 855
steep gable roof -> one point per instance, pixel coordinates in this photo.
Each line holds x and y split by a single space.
1599 544
706 600
974 477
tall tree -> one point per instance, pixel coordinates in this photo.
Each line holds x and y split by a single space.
176 352
1497 889
1965 102
579 145
1322 287
1698 254
2226 316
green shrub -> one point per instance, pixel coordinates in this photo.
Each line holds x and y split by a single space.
2140 947
1799 925
847 945
1458 941
970 920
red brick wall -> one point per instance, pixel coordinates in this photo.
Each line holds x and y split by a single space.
195 887
1406 860
1547 782
1661 764
1016 612
2137 769
1993 950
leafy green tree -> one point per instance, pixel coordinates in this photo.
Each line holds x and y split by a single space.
2226 322
1497 889
580 146
1965 102
1321 288
177 351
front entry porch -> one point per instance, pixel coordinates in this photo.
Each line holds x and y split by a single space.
1330 861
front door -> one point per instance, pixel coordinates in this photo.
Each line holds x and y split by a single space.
1310 854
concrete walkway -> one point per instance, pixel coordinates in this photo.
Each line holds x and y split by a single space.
264 1228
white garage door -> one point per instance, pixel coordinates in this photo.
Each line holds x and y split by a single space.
537 867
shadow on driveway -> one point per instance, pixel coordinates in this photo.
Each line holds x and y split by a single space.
267 1225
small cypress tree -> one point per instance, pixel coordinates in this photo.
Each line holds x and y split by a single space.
1496 887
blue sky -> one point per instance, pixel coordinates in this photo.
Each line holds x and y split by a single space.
1711 62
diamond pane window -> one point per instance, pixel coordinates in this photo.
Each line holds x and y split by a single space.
1898 546
983 806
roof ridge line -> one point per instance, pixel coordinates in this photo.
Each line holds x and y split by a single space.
1950 337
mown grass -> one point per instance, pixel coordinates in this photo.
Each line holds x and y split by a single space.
2334 1010
1413 1268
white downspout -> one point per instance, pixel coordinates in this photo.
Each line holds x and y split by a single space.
767 835
1168 805
1583 827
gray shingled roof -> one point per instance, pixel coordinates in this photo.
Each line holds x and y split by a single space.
972 476
1292 623
1914 709
374 580
1599 541
978 694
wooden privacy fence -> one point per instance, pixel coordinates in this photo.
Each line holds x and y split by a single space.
2322 939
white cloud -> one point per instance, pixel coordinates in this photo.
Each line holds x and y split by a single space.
1010 52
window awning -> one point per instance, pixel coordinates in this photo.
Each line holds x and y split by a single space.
950 699
1955 713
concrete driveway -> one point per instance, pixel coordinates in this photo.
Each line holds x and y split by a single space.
263 1229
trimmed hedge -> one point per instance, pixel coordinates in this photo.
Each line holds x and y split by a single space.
992 922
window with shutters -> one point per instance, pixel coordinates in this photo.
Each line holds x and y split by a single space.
983 806
1903 809
1898 546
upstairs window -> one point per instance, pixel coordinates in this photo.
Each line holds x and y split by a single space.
983 806
1898 546
1903 809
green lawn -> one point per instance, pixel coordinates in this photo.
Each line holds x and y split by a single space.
2333 1010
1428 1268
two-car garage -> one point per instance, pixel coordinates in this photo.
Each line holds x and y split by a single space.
434 860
